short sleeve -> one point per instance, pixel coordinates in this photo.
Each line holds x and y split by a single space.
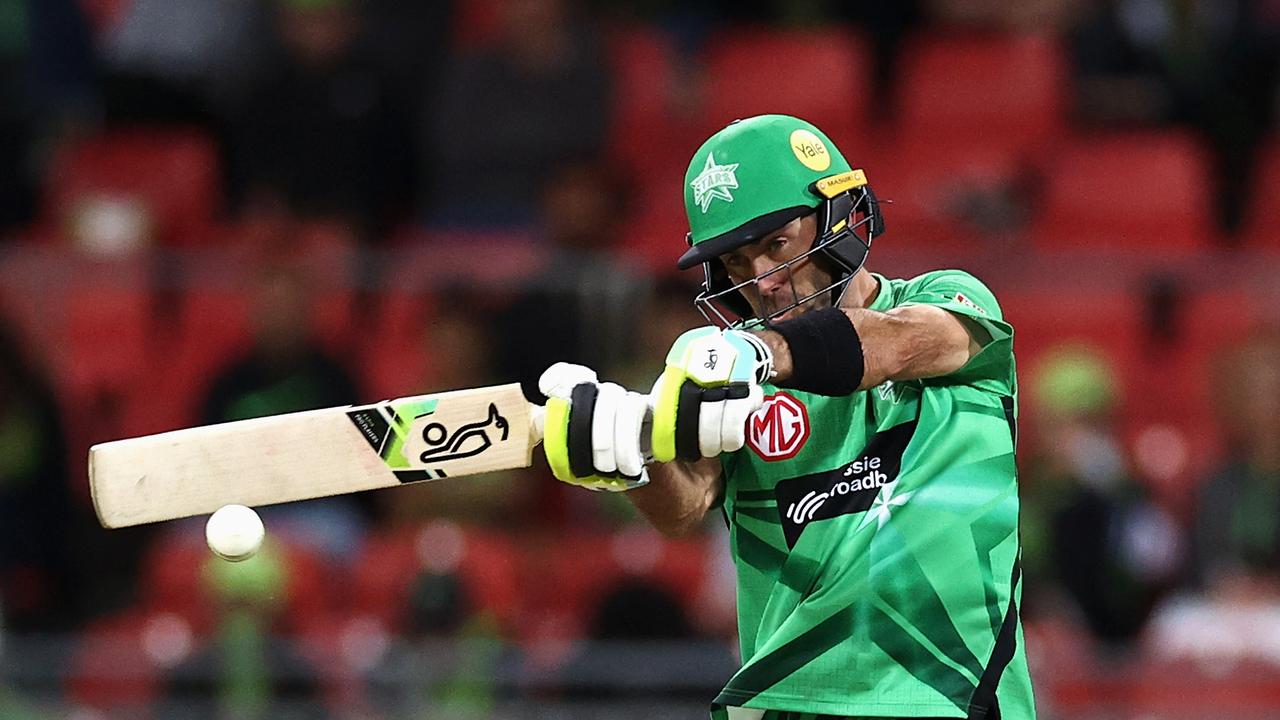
962 294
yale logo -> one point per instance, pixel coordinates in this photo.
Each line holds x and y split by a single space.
810 150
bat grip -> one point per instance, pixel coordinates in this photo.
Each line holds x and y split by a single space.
537 421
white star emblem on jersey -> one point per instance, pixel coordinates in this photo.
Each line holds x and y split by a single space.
715 181
884 502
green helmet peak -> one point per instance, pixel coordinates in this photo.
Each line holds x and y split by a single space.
751 178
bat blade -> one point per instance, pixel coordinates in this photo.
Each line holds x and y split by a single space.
317 453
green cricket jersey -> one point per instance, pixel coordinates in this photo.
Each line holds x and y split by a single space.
876 538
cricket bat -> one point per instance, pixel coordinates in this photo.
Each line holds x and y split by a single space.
311 454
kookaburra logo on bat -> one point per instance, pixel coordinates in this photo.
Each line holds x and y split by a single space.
465 441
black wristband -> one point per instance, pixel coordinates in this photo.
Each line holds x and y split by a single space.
826 352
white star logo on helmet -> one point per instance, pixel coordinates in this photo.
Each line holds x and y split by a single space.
715 181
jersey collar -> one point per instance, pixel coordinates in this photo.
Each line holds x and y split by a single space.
882 302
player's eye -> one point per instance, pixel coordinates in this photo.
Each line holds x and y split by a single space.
777 244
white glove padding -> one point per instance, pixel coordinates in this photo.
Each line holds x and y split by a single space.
596 434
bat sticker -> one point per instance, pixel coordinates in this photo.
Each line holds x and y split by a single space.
467 441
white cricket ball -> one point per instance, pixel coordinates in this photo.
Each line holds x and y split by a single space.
234 532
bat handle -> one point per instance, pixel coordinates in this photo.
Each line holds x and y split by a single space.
537 420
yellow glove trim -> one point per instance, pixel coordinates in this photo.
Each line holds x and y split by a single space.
555 439
664 413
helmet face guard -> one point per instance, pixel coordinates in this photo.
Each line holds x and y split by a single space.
848 220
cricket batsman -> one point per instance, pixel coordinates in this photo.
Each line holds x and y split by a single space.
857 433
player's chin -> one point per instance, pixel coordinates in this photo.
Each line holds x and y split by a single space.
792 312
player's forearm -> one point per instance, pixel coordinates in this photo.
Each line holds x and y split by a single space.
678 495
903 344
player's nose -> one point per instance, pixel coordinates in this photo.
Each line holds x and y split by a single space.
772 277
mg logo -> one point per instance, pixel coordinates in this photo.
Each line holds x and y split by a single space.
779 428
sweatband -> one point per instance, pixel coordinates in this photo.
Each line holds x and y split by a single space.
826 352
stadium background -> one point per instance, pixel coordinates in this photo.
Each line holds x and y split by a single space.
211 209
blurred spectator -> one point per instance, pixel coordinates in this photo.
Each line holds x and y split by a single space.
635 614
1088 528
245 671
12 705
36 506
46 90
412 41
514 111
1036 16
1211 65
323 130
584 285
180 61
287 371
1238 520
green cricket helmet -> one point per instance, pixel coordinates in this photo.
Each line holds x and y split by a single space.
752 178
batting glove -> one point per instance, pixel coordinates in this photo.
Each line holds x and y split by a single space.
710 386
595 434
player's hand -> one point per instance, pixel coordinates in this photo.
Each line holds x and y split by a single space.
595 434
711 385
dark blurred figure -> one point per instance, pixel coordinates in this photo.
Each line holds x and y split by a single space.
46 91
638 625
248 669
447 636
514 111
179 61
583 293
286 370
323 130
1090 531
1209 64
1238 520
886 26
36 506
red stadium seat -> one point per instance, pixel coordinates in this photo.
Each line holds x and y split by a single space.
1138 190
476 23
174 581
818 75
401 365
174 175
1001 89
105 343
644 136
111 670
939 193
570 575
1262 217
654 235
486 563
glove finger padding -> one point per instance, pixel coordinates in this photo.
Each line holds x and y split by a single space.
632 419
737 411
560 379
583 440
711 422
604 436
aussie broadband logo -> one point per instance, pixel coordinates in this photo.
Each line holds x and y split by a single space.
808 506
715 181
779 428
848 489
